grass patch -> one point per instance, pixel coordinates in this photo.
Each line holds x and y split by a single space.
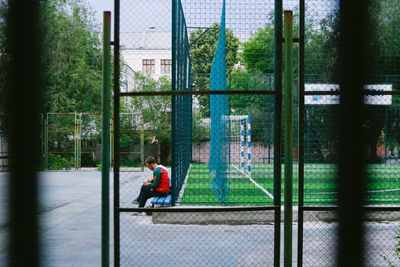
319 185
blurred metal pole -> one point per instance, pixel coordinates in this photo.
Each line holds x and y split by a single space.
353 21
142 148
301 124
278 6
174 85
23 105
116 131
288 117
105 155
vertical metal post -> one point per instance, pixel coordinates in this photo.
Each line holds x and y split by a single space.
249 145
277 128
173 99
352 70
75 140
112 140
78 140
23 103
105 144
301 136
288 118
116 133
46 141
142 142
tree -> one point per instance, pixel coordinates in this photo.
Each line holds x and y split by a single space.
385 62
258 58
4 59
202 53
156 110
259 107
72 57
258 52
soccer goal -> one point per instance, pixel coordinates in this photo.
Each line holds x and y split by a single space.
240 138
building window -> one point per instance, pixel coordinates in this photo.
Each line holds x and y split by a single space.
149 66
166 65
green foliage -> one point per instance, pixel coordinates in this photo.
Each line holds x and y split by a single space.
385 20
57 162
72 57
385 62
201 130
258 52
260 108
258 57
156 110
202 54
321 49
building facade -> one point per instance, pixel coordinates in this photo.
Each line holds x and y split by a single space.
148 52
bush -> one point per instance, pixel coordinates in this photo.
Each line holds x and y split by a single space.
57 162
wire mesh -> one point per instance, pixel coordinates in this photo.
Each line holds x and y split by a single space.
382 238
381 131
244 187
321 135
131 144
320 131
319 238
244 22
60 141
318 233
179 120
90 140
188 243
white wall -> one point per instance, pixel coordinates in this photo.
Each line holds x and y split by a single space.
133 58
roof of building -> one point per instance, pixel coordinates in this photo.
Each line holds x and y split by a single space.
147 40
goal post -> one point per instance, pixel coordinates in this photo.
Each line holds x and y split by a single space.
240 131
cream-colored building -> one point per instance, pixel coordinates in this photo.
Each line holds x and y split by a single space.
148 52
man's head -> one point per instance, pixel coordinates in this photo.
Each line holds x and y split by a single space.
150 163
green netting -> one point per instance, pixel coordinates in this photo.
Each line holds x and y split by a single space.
219 110
181 104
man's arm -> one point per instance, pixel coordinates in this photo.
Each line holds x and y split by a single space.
156 181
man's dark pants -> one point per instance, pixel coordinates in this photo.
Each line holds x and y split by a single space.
146 193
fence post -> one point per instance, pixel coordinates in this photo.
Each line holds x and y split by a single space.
142 152
105 155
46 142
288 86
79 141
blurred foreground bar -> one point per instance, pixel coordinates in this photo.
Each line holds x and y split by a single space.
352 179
23 103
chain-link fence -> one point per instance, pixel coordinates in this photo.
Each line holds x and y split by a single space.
73 141
220 127
218 123
320 144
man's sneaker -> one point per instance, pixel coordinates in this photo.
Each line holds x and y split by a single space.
135 201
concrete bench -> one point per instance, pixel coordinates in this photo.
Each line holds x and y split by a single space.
161 201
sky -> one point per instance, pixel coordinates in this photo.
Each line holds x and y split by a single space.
244 17
99 6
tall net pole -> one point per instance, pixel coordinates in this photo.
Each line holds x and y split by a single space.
288 86
105 155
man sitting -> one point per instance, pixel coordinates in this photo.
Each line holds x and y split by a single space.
158 186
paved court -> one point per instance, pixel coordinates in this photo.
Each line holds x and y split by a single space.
71 230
